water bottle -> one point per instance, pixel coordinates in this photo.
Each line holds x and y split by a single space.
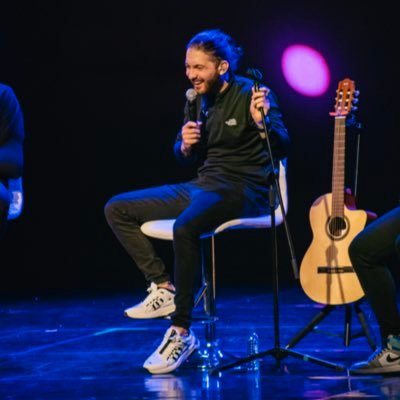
253 348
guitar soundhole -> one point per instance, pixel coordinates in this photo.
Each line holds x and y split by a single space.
337 228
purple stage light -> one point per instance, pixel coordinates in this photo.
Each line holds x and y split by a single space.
305 70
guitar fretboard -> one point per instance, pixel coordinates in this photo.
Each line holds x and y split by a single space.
338 170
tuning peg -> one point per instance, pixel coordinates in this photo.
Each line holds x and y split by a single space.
355 101
356 93
355 108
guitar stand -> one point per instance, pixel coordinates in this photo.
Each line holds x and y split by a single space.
326 310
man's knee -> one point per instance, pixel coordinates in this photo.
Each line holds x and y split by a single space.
112 208
355 250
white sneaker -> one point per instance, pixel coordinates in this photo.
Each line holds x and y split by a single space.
158 303
172 352
384 360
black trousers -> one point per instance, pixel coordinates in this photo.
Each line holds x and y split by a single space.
198 206
368 252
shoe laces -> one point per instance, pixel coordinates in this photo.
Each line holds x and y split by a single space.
377 353
177 349
174 346
155 302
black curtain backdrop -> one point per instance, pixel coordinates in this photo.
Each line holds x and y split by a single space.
102 87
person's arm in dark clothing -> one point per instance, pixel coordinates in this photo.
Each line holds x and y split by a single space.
11 135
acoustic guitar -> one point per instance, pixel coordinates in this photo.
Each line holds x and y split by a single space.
326 273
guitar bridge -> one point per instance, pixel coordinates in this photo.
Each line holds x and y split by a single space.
334 270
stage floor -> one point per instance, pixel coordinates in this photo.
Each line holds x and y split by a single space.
81 346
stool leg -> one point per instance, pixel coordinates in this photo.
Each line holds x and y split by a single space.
209 295
211 355
347 325
364 325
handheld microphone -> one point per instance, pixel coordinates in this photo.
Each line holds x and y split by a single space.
191 96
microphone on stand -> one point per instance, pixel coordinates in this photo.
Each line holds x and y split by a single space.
256 75
191 96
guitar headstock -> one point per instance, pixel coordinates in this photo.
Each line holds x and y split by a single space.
346 98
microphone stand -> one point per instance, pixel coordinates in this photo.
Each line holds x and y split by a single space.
277 351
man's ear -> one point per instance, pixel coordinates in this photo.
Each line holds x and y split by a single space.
223 67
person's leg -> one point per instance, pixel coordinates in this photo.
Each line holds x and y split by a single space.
368 253
126 212
207 210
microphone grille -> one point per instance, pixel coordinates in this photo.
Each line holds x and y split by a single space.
254 73
191 94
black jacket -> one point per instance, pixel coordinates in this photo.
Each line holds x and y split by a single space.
231 145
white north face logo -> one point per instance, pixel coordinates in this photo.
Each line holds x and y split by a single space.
231 122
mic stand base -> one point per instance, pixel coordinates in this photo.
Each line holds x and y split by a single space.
279 354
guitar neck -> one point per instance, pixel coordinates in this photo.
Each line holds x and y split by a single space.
338 170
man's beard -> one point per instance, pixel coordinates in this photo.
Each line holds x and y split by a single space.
213 86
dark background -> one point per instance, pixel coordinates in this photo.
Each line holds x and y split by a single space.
102 88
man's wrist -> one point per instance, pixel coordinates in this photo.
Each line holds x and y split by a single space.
260 124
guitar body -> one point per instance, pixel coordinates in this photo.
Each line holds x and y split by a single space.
326 273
